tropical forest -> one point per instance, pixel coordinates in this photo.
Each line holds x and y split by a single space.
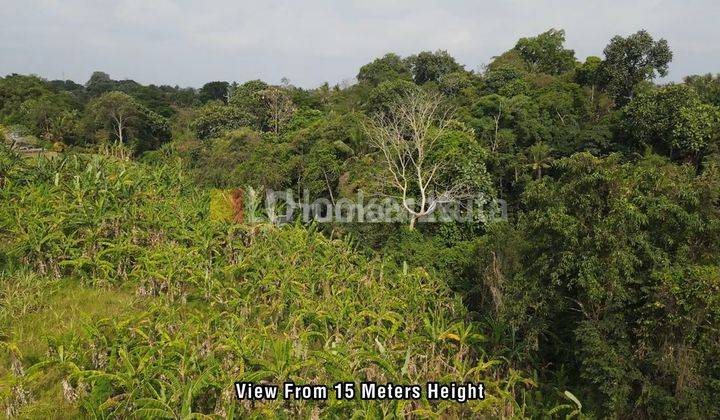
142 275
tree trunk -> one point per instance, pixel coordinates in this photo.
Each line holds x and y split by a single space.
327 183
495 137
120 130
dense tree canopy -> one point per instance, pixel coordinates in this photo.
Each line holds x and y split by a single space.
214 91
546 53
674 121
429 66
386 68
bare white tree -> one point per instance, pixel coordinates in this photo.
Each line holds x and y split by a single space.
119 108
406 137
279 105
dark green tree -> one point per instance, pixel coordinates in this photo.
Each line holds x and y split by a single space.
546 52
707 86
99 83
631 60
673 121
386 68
430 66
214 118
214 91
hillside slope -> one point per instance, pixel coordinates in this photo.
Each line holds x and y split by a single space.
176 307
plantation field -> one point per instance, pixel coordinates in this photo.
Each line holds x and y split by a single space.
120 297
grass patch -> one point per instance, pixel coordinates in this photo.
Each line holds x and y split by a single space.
50 311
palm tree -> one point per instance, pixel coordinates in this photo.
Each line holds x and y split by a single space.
537 157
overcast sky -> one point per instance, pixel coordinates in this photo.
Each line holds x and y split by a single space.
188 42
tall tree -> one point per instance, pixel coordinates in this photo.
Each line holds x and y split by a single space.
673 121
588 74
537 157
388 67
546 53
629 61
707 86
247 98
279 107
430 66
117 109
214 118
214 91
407 139
99 83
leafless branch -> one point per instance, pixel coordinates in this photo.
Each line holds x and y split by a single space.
406 137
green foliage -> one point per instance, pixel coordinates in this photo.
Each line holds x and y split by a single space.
322 169
585 279
537 157
242 157
99 83
430 66
214 91
387 68
9 162
503 122
697 128
465 162
159 99
221 303
247 99
545 52
673 121
707 86
498 75
214 118
303 118
16 89
383 95
631 60
154 131
115 111
127 120
52 117
459 84
588 73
